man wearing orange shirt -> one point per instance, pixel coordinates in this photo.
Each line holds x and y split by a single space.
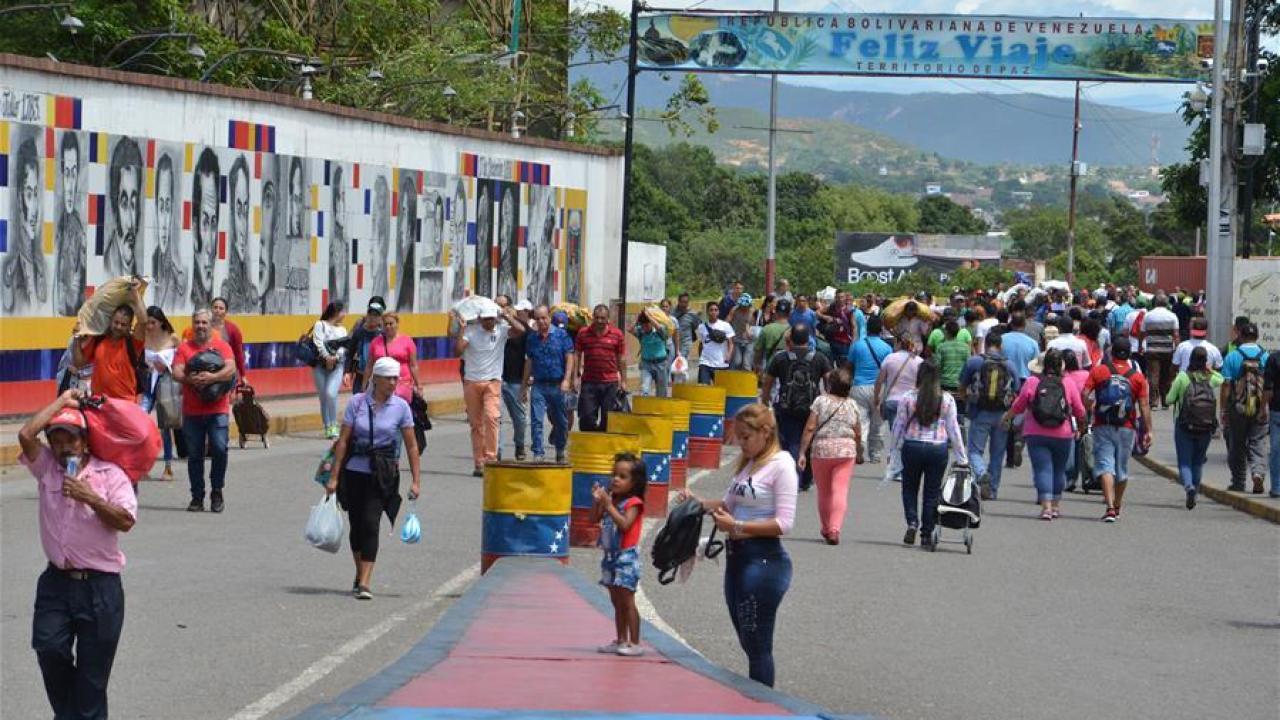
116 355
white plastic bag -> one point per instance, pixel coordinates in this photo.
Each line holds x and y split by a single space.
324 528
680 365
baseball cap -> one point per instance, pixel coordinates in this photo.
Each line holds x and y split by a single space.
1199 327
524 305
68 419
783 306
377 305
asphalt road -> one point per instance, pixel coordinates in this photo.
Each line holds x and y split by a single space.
1166 614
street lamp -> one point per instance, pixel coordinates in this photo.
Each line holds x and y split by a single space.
193 48
374 75
72 24
517 124
1198 99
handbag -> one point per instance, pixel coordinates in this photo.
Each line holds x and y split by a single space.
168 402
305 349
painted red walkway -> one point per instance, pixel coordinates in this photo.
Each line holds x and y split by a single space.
521 644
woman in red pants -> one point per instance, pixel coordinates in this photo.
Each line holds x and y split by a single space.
830 444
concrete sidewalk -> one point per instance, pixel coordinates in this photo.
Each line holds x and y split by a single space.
1163 460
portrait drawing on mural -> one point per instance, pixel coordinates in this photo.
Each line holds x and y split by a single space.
406 234
25 276
573 256
339 243
69 236
123 252
457 229
484 238
168 269
205 211
540 251
508 243
238 287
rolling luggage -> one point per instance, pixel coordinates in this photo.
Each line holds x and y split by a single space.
251 417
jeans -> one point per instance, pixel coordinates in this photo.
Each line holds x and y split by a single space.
1193 450
654 372
148 403
790 433
547 400
484 414
87 615
594 401
1245 456
1049 464
328 383
199 429
707 375
987 438
742 356
927 462
1275 453
868 418
756 577
516 411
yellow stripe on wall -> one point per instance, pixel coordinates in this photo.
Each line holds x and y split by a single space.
48 174
102 151
151 183
186 155
315 249
257 219
4 137
48 238
46 333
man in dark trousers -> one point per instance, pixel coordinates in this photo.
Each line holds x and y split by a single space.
798 374
602 370
85 504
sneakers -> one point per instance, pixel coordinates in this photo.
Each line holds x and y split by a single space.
1191 499
1110 516
610 649
215 501
1236 487
630 650
984 491
520 456
478 472
362 593
926 542
910 537
197 505
1257 485
559 457
331 432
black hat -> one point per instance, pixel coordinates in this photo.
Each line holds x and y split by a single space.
783 306
377 305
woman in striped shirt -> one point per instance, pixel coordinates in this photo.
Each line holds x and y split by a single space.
925 425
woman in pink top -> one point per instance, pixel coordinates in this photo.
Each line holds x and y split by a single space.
1052 400
400 348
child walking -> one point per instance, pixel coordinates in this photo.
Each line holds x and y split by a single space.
619 510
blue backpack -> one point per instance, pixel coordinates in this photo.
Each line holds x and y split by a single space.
1115 398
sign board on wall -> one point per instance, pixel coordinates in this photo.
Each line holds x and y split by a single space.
886 257
988 46
646 272
1257 295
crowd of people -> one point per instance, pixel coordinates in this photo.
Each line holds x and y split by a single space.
1072 380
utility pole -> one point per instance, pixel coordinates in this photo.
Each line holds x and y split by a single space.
1249 186
627 160
771 231
1220 248
1071 206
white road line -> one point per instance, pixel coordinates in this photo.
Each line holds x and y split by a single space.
643 604
330 662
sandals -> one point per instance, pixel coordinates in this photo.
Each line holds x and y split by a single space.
1046 514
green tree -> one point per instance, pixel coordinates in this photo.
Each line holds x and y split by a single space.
939 214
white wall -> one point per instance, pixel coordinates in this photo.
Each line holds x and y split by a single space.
647 272
1257 295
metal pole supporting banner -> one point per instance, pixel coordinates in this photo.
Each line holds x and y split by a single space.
1220 252
771 232
627 160
1071 207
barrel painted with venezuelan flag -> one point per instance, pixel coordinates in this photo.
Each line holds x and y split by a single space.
591 458
655 448
678 412
526 512
706 423
740 387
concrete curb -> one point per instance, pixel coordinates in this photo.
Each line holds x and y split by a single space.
1239 501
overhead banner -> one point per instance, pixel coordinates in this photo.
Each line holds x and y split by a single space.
993 46
886 257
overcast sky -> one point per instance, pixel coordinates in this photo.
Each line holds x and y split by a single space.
1154 97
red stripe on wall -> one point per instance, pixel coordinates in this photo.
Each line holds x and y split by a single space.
151 153
50 149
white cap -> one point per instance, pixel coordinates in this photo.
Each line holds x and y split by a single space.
524 305
386 367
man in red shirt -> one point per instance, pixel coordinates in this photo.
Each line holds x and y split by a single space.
204 421
116 355
602 370
1114 423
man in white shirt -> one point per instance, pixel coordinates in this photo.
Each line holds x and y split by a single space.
715 336
1182 354
482 346
1068 342
1159 336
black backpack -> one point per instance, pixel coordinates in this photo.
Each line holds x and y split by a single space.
801 389
994 385
1049 407
677 541
1198 413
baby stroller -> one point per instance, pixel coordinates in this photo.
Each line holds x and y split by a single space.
959 508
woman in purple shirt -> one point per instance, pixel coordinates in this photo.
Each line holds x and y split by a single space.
757 510
376 422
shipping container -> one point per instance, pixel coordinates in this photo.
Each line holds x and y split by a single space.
1166 272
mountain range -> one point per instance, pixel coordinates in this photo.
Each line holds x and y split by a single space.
983 128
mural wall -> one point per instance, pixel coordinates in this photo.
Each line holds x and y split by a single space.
274 234
281 207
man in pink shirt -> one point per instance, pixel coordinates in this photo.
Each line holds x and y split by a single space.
84 504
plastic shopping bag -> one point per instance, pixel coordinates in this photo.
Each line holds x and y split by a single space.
411 531
121 432
324 529
680 365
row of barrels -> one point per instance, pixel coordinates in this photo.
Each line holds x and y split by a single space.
543 510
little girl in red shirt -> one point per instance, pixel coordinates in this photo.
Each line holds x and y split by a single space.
619 510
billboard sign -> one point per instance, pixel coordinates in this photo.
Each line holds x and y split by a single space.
893 44
886 257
